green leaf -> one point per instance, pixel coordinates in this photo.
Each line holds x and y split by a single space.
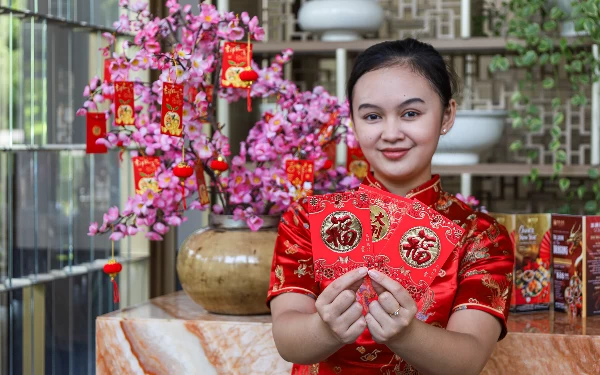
529 58
555 131
533 174
581 191
535 125
563 44
555 58
533 109
556 13
558 167
593 173
532 154
596 188
516 145
556 103
548 83
589 25
503 64
590 206
558 119
550 25
561 156
564 184
577 65
517 123
231 62
514 114
554 145
169 107
584 79
242 63
544 58
516 97
512 46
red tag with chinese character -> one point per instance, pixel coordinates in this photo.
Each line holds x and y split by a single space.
192 92
209 89
107 75
172 109
235 60
124 103
300 172
356 163
144 170
95 129
201 183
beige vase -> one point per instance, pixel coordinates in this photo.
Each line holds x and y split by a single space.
225 268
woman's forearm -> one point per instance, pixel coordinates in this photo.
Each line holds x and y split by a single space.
303 338
432 350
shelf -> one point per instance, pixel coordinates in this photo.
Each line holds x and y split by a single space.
508 170
445 46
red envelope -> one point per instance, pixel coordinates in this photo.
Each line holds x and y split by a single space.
340 232
341 237
416 244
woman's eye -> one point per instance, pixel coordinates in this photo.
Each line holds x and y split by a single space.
372 117
410 114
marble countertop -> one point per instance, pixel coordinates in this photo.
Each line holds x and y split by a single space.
173 335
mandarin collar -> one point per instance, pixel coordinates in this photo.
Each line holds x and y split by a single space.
428 193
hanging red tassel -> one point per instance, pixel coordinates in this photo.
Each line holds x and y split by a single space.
249 101
116 297
183 195
112 268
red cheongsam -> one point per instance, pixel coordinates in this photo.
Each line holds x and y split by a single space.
478 275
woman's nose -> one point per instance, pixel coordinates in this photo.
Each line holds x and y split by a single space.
392 131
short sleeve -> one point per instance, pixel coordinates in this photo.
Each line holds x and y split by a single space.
485 270
292 267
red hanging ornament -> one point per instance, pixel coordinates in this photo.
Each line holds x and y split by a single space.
112 269
183 171
219 165
248 75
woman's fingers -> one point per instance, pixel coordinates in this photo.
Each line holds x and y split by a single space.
350 280
393 287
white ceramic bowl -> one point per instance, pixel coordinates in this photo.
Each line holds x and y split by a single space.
340 20
473 132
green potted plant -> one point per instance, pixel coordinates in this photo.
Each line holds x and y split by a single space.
552 61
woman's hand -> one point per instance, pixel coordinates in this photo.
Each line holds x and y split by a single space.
338 308
393 314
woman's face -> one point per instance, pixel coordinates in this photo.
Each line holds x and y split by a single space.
398 119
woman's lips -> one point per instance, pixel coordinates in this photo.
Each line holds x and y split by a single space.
394 153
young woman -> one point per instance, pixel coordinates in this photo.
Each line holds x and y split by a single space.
400 95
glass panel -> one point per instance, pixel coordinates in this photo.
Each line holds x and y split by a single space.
15 299
60 123
24 251
62 325
4 333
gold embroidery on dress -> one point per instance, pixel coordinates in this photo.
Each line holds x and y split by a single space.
279 275
305 267
443 203
314 370
472 255
499 292
290 248
370 357
493 233
399 368
475 272
361 349
428 301
337 369
474 300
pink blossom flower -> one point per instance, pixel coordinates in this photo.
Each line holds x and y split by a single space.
160 228
153 236
93 229
116 236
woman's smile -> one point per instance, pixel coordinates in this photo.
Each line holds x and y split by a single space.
394 153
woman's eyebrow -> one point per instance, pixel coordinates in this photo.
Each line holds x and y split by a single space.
404 103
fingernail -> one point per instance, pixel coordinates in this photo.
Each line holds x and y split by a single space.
362 271
374 274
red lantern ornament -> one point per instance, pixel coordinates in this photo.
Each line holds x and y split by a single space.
219 165
249 75
183 171
112 269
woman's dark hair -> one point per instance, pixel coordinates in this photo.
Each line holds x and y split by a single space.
421 57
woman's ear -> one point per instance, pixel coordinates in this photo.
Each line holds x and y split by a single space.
448 117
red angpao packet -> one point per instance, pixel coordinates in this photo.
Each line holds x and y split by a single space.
417 244
340 235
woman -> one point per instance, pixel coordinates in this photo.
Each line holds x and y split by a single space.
400 96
